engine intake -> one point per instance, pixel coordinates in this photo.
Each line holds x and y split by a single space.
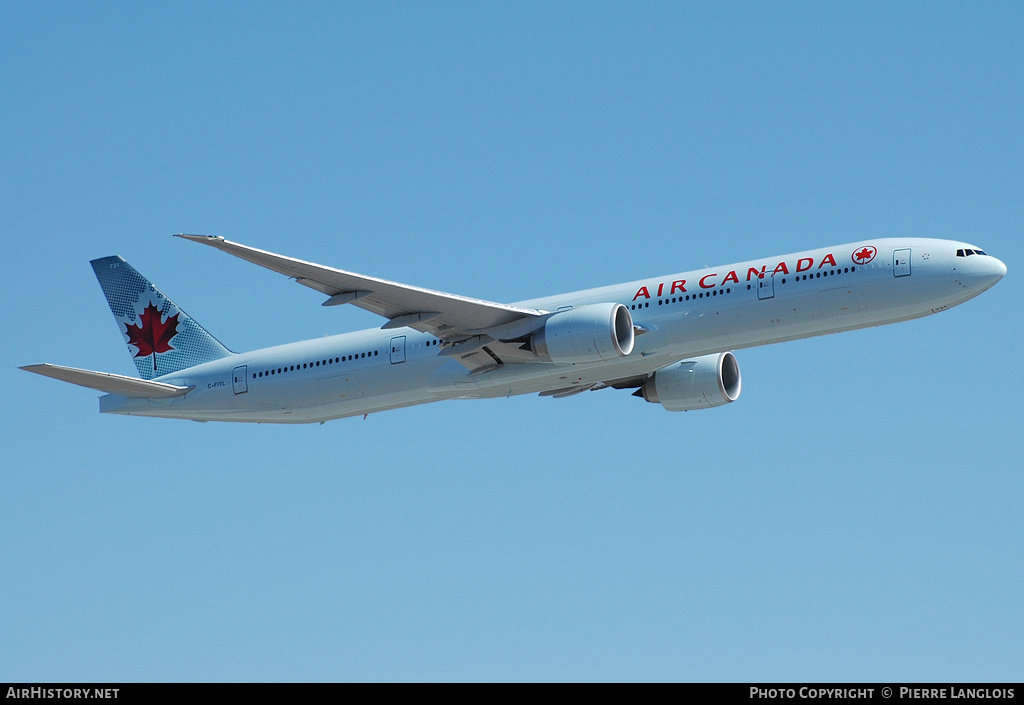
700 383
591 333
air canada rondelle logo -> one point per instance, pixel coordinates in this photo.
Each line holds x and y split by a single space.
865 254
152 335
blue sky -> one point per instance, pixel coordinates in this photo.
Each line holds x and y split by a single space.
854 516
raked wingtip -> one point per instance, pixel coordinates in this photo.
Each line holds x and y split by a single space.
199 238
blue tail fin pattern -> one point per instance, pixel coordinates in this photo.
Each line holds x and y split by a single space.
161 338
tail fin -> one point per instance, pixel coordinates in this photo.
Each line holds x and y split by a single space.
160 336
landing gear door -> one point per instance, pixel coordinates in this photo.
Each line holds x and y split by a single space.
901 263
238 380
766 287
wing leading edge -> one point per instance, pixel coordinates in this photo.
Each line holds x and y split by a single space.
450 317
110 383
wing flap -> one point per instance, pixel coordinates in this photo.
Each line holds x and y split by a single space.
109 383
447 316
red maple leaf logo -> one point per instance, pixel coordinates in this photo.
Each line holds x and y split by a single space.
864 255
151 335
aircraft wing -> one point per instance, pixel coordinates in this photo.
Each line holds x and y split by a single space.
109 383
448 316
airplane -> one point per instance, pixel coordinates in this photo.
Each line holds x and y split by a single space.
669 338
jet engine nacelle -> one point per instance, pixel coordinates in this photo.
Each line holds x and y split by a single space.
700 383
590 333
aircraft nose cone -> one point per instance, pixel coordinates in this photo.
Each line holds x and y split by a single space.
998 269
987 270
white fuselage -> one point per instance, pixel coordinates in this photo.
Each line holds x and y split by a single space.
681 315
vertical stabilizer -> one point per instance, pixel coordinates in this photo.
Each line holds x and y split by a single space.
161 337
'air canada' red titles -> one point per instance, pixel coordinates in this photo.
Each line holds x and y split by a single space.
709 281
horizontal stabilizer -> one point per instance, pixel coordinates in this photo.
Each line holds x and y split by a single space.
109 383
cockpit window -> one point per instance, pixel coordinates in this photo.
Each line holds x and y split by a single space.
968 253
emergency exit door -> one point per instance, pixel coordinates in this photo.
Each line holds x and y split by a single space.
901 263
397 349
239 381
